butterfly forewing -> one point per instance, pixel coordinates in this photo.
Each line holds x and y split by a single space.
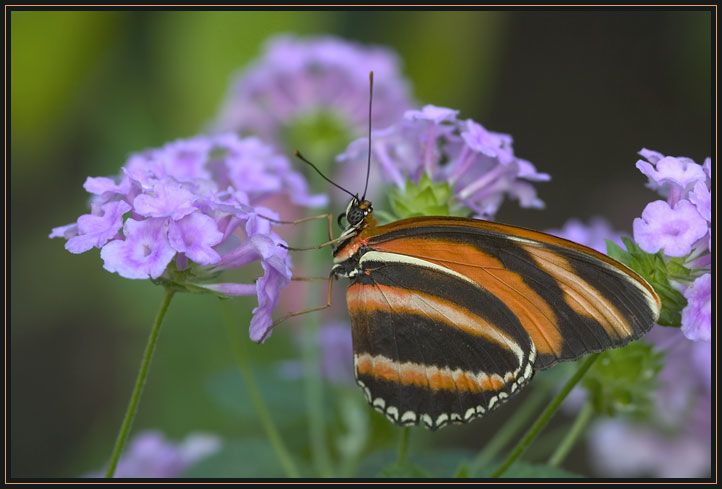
570 299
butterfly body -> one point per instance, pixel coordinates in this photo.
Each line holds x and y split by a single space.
451 316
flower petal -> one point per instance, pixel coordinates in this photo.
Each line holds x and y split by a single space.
145 252
195 235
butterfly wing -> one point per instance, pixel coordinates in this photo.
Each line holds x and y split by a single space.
430 345
570 299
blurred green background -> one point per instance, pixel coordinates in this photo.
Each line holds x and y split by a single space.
581 92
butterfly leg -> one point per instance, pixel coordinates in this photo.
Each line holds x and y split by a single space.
306 311
322 245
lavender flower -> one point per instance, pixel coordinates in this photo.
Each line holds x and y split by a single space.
151 455
479 165
300 79
697 315
336 352
675 230
195 201
671 177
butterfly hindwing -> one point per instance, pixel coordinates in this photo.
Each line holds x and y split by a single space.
430 345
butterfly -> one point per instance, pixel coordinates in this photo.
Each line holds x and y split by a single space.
451 316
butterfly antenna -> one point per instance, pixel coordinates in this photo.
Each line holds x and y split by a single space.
368 163
300 157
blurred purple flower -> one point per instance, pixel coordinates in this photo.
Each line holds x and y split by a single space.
297 78
480 165
336 352
593 235
676 441
697 316
151 455
194 200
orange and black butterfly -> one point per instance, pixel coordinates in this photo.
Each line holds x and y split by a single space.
451 316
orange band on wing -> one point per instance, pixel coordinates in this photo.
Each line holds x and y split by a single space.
592 304
533 312
426 376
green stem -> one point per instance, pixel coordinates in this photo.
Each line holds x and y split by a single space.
313 385
583 418
545 416
404 445
139 383
509 429
313 388
239 349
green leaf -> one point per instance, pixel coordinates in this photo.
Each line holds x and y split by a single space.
615 251
425 198
625 380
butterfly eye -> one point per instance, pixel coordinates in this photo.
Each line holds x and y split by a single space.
355 215
340 216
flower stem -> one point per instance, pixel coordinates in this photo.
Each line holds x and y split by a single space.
313 384
583 418
139 383
239 349
404 445
314 399
509 429
545 416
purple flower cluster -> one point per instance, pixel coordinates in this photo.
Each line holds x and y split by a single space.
680 226
478 164
194 202
296 78
151 455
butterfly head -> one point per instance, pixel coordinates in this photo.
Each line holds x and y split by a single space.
356 212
